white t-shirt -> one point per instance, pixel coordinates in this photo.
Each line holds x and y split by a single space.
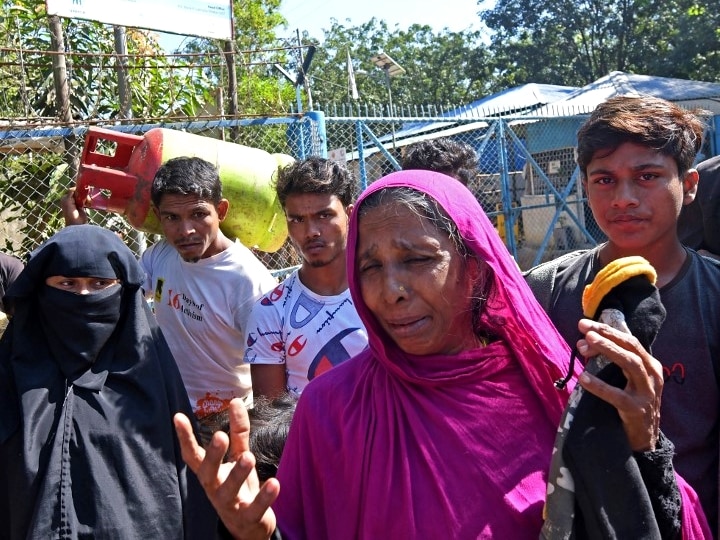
307 332
202 308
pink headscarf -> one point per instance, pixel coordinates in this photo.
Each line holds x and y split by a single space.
390 445
512 314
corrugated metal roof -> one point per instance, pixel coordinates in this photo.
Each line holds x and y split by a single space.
687 93
517 100
536 101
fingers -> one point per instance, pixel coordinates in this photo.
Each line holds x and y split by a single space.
617 397
638 403
621 348
238 474
639 413
72 213
233 486
264 499
67 201
210 471
241 504
239 429
69 197
191 451
241 486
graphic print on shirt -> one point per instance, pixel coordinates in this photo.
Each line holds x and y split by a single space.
307 332
211 403
274 295
676 373
181 302
288 343
304 310
332 354
276 346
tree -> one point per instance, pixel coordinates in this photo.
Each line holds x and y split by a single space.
162 87
687 37
260 91
441 68
574 42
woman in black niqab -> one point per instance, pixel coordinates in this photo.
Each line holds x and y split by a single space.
88 389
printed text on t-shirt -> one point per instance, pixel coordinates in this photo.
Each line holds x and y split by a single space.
186 305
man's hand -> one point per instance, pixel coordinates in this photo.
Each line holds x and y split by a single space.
72 214
232 487
638 404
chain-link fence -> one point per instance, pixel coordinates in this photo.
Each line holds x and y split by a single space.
40 165
526 180
512 183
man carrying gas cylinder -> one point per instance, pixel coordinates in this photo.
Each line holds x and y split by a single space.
202 284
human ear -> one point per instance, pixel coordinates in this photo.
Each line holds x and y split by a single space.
690 185
222 209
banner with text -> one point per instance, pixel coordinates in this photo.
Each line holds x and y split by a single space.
204 18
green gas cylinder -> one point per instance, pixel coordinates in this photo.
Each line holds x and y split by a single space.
120 181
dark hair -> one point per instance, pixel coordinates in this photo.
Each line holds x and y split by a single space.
315 175
269 425
644 120
187 176
443 155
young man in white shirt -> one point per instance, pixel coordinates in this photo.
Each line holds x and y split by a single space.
308 323
203 285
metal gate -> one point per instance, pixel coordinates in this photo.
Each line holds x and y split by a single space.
526 182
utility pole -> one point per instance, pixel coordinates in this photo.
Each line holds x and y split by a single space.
62 93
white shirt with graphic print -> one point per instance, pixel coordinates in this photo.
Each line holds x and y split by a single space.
202 308
307 332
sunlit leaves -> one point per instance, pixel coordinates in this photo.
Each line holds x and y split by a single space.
574 42
441 68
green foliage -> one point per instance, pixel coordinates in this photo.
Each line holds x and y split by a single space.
574 42
256 22
21 23
30 187
260 90
162 87
441 68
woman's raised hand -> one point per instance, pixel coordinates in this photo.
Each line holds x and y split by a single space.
232 486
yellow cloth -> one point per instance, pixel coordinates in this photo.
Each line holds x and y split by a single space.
612 275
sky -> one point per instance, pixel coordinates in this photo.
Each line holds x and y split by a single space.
315 15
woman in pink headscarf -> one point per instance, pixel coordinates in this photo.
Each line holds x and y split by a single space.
444 426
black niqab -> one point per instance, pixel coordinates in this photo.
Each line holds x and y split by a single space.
88 388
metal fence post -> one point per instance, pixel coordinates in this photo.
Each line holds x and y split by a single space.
319 142
505 190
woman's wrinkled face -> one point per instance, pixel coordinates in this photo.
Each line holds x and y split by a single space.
415 282
80 285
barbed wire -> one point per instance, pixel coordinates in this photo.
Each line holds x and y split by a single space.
7 124
140 66
153 55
